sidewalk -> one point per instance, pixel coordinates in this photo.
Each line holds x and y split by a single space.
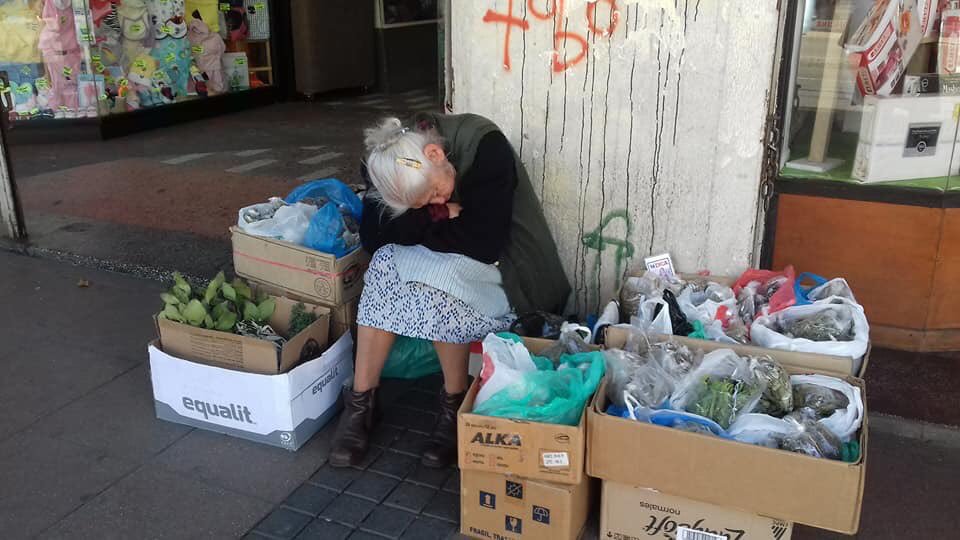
82 456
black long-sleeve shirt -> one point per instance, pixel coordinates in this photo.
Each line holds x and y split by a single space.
482 229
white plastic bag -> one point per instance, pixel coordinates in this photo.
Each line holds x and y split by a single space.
703 305
720 367
835 287
504 362
760 429
289 222
650 323
767 331
844 423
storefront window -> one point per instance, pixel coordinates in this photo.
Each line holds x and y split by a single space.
401 12
90 58
876 93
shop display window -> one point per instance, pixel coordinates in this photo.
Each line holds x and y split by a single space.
406 12
875 93
91 58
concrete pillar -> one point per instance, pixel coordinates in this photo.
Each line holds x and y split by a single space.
11 220
641 123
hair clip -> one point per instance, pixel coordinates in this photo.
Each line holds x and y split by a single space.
407 162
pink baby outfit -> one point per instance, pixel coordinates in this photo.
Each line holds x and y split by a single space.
61 54
208 51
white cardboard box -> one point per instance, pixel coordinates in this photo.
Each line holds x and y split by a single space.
283 410
907 137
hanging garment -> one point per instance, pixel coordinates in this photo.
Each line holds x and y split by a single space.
61 54
20 31
208 11
168 18
173 59
258 19
136 30
208 49
106 21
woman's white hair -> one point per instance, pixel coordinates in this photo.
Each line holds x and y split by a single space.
397 165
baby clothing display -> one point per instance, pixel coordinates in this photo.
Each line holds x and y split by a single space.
61 53
208 49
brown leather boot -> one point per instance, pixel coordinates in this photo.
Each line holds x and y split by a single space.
442 449
352 439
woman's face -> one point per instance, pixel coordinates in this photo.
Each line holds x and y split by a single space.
442 177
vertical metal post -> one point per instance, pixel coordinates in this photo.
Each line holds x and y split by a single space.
11 217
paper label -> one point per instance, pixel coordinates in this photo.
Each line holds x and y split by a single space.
35 111
136 27
556 459
96 58
67 72
166 30
103 97
24 89
99 67
684 533
42 84
260 6
240 61
123 82
224 6
170 58
140 64
661 265
921 140
198 49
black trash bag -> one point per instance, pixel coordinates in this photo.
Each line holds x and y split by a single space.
681 326
538 324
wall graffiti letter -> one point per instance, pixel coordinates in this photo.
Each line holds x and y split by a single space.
510 20
592 18
560 37
598 241
541 15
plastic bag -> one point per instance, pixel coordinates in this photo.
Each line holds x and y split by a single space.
544 395
636 290
335 228
640 377
770 331
411 358
837 287
703 304
505 360
681 326
844 422
822 401
653 317
538 324
810 437
767 292
573 339
777 397
760 429
276 219
721 388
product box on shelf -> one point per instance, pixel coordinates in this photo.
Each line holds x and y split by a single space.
904 137
535 450
305 273
629 512
510 507
283 410
754 479
249 354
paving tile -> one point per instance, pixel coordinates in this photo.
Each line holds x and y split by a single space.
43 479
431 383
321 529
335 478
364 535
118 418
410 497
268 472
445 506
386 521
395 465
384 435
283 523
428 476
155 503
348 510
411 443
372 486
425 528
372 454
420 399
453 483
410 418
310 499
254 535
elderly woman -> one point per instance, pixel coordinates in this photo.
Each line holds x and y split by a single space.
460 245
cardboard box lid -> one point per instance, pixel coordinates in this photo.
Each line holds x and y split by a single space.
333 264
247 353
777 483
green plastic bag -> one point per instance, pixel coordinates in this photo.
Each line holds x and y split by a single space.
411 358
548 395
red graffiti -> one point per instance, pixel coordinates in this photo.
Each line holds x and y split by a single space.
561 38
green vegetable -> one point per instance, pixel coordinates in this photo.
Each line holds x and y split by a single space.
213 288
217 306
169 298
721 399
266 309
194 312
777 397
300 318
229 292
243 290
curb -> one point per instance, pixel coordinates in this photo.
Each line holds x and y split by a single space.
935 434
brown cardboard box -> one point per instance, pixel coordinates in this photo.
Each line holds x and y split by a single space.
315 276
499 506
817 492
550 452
343 318
252 355
630 513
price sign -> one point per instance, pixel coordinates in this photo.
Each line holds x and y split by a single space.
198 49
67 72
224 6
42 84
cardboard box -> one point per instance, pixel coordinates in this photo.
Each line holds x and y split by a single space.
343 318
280 410
794 487
629 513
549 452
309 274
248 354
498 506
903 137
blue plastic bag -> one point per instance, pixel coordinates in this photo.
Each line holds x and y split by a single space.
335 227
411 358
802 291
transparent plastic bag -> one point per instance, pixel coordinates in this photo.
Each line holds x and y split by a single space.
721 388
546 395
573 339
276 219
635 290
760 429
845 421
777 397
640 377
810 437
822 401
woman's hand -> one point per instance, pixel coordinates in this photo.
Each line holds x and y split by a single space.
454 209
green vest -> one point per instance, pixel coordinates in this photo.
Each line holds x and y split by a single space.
533 276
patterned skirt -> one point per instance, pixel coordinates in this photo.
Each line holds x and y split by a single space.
416 310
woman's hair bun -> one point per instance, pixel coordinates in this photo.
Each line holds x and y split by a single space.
384 134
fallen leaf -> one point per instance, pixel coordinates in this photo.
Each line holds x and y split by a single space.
83 283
